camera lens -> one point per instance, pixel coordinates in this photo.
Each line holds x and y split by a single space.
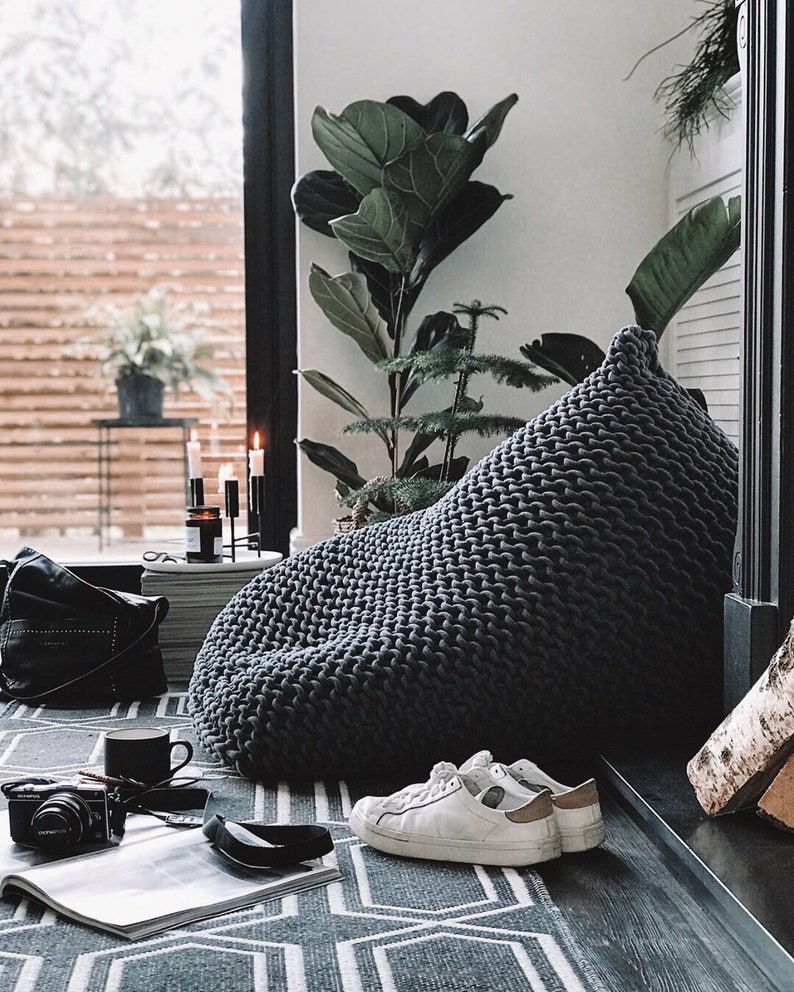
60 822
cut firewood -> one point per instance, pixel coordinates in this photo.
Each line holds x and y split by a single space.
777 803
744 754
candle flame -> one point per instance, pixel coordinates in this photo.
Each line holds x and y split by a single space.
256 440
194 434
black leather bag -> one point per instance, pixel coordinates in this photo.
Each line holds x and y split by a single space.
66 642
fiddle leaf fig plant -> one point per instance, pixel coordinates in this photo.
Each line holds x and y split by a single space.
400 199
696 247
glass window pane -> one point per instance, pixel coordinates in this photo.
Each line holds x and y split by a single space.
120 203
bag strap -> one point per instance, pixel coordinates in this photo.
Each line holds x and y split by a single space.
6 567
259 845
160 610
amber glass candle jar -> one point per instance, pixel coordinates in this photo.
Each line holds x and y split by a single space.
204 535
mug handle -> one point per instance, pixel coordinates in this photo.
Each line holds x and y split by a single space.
189 748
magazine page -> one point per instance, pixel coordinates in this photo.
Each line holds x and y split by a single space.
153 880
17 857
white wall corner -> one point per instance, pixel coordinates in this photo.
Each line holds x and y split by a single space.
581 153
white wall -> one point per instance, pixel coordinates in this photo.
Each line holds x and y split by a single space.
702 346
581 152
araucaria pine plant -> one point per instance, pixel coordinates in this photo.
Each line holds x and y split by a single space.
456 360
400 198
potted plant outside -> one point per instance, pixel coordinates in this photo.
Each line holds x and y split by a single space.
149 350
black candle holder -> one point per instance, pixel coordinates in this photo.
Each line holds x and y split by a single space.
232 499
257 504
197 492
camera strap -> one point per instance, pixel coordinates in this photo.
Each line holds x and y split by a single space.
169 805
254 845
259 845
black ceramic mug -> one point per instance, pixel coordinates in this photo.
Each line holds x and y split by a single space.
143 754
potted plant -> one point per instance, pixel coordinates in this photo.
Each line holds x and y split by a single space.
692 95
400 199
148 350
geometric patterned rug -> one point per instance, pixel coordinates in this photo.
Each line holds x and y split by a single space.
390 924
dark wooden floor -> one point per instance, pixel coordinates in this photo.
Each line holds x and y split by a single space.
642 920
744 866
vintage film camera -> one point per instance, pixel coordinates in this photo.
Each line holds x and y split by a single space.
57 817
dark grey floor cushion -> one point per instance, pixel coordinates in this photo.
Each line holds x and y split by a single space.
566 592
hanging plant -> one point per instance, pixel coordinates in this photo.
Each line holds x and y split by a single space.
692 96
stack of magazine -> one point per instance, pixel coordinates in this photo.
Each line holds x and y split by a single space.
196 594
156 878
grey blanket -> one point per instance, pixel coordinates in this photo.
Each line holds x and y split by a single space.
566 592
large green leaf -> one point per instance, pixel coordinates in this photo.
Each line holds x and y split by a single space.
490 124
420 442
473 206
380 231
571 357
445 112
385 288
346 302
363 139
330 459
430 175
678 265
326 386
320 197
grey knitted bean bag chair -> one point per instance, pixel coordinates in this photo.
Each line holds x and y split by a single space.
566 592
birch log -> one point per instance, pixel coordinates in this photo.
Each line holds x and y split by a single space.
744 754
777 803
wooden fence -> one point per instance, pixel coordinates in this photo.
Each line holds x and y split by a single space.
61 261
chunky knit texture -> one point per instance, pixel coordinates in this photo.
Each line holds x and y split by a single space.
566 591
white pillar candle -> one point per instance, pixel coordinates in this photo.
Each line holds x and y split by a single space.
225 474
256 458
194 457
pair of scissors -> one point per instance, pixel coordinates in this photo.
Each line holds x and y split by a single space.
162 556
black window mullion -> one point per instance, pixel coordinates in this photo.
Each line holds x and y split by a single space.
269 167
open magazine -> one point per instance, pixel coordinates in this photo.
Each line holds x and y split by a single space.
156 878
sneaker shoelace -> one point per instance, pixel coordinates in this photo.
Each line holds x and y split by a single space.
441 774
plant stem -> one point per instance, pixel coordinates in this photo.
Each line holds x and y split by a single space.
395 378
460 391
473 311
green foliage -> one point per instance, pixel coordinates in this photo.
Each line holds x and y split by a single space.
571 357
408 488
692 251
692 94
401 198
441 423
678 265
383 498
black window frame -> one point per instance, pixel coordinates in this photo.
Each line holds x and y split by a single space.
270 280
759 609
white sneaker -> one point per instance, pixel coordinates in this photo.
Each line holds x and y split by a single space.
577 809
451 818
